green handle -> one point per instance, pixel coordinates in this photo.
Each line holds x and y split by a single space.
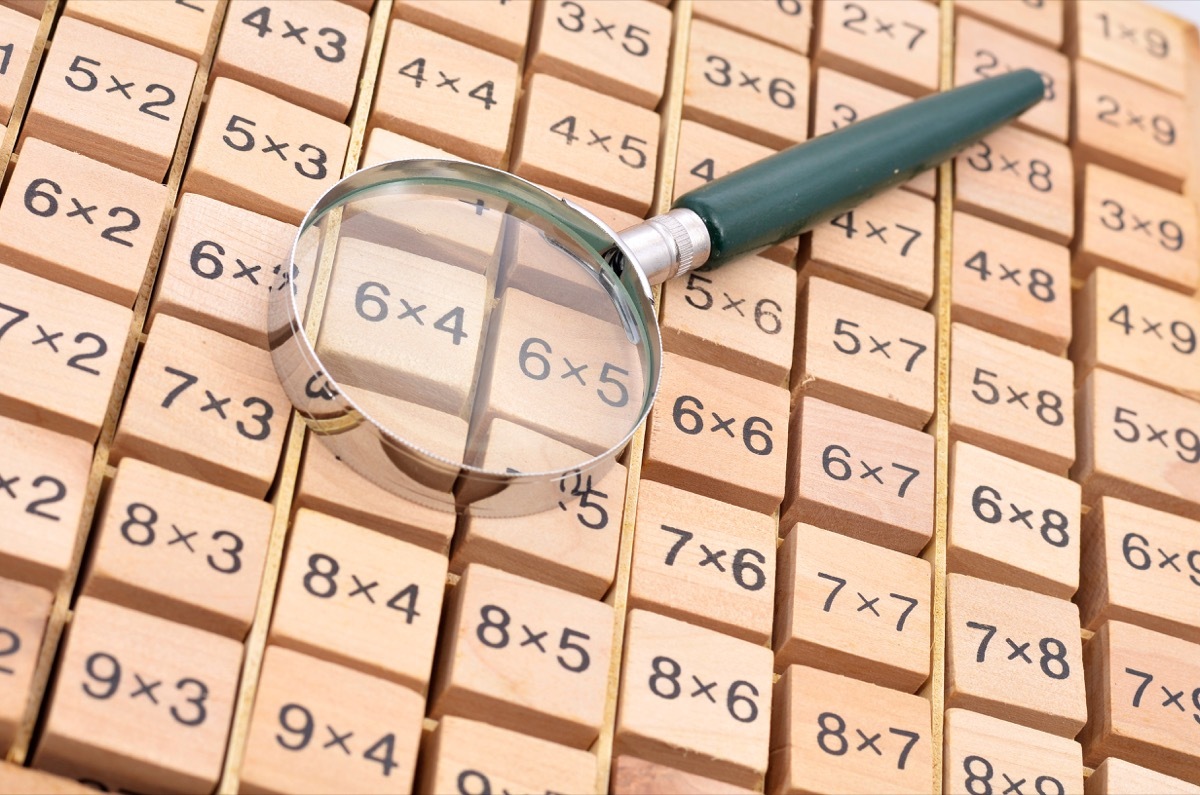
783 195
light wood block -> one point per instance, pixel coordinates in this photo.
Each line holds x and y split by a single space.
839 100
786 24
877 630
1137 329
33 8
118 99
1117 777
981 752
471 756
1014 655
42 486
1011 399
1142 698
16 45
360 599
1123 124
384 145
163 692
263 154
34 782
1011 283
865 353
1041 20
983 51
746 87
307 53
1137 228
1137 442
62 351
524 656
893 43
618 47
1141 566
740 317
63 213
832 734
859 476
1021 180
695 698
182 27
704 562
469 108
706 154
206 406
718 433
318 727
1013 523
586 143
180 549
883 246
502 28
633 776
26 611
1135 38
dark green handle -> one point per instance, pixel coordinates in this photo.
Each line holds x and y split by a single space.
783 195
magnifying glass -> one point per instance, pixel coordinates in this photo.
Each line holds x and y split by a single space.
464 339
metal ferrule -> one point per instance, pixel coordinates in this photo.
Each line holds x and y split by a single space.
668 245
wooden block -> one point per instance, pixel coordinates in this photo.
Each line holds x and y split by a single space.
884 246
206 406
703 562
859 476
163 692
1141 566
633 776
14 778
318 727
329 486
982 752
706 154
308 53
586 143
360 599
26 611
16 45
1021 180
983 51
471 756
1011 284
718 433
745 87
118 99
1013 523
882 636
241 152
33 8
1040 20
468 109
1137 329
1014 655
62 351
502 28
180 549
384 145
1122 123
361 5
741 317
1117 777
618 47
1135 708
1137 442
181 27
839 100
1011 399
786 24
865 353
893 43
696 698
64 213
1137 228
547 680
831 733
1135 38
